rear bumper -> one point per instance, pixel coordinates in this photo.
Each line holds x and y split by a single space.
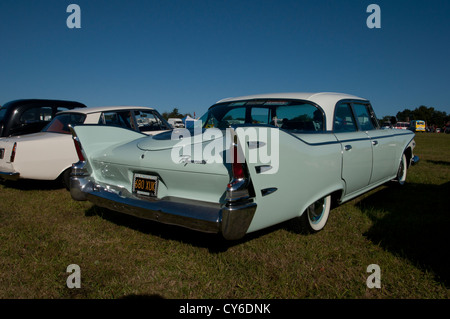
232 219
12 176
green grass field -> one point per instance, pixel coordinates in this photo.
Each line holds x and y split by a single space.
404 230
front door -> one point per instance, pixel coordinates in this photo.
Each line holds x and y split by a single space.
356 149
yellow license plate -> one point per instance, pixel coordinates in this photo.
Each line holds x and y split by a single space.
146 185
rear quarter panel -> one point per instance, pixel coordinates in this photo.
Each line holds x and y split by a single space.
44 157
309 169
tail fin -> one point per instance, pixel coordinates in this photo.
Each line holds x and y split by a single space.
95 138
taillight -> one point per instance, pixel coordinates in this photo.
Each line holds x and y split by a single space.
78 148
237 168
239 186
13 153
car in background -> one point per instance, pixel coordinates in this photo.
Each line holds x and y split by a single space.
417 126
175 122
446 129
26 116
386 125
401 125
49 154
250 163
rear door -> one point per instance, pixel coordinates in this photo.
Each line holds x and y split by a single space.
382 142
291 165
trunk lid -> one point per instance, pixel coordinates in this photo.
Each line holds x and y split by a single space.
177 137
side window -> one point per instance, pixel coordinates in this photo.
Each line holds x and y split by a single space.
121 119
36 115
364 117
233 116
260 115
149 121
300 117
343 119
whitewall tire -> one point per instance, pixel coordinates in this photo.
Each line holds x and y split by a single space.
315 217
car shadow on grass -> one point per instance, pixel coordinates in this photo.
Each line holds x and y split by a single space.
413 222
445 163
215 243
31 184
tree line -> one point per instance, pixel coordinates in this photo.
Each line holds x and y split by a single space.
430 115
174 114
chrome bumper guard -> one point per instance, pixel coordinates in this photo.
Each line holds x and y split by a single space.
231 220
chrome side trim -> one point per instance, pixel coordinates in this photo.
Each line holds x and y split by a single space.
262 168
237 191
268 191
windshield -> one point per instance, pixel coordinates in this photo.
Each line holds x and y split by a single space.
297 116
60 124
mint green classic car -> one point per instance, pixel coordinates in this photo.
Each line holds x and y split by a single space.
249 163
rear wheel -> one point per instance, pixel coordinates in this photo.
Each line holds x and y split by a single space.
315 217
402 170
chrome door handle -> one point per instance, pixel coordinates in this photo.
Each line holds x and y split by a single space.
347 147
374 143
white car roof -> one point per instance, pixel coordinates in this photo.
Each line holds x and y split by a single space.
320 98
96 109
326 100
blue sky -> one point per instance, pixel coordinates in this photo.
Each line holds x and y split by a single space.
190 53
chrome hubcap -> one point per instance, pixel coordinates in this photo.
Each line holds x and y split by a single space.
315 211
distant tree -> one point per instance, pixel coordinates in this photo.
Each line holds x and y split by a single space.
174 114
405 116
427 114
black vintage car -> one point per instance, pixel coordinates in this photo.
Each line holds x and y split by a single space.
28 116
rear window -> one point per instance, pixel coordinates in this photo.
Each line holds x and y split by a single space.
148 121
60 124
36 115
